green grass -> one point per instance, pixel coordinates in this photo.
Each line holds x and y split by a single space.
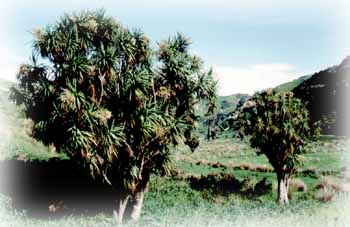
223 150
324 154
172 203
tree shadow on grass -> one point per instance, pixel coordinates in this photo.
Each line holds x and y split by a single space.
54 188
58 187
226 184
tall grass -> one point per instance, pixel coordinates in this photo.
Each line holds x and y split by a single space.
299 214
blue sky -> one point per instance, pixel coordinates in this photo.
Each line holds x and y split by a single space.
251 44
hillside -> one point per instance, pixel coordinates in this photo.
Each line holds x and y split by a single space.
14 132
226 105
326 94
289 86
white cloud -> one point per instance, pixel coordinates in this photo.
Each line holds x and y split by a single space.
254 78
9 63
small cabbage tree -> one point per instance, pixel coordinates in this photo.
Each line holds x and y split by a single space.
277 124
111 103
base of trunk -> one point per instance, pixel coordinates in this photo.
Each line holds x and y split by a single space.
137 204
129 205
121 207
282 190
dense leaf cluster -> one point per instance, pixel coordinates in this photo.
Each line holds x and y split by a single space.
277 124
102 95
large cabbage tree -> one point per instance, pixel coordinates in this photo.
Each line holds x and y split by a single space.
98 92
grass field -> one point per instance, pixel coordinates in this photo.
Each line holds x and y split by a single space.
222 183
177 201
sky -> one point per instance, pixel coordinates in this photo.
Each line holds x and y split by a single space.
250 44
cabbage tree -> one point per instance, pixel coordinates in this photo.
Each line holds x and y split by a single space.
278 126
98 92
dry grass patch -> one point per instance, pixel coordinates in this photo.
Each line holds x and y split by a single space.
325 194
264 169
297 185
328 188
328 183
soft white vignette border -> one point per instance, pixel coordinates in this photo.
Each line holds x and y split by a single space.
343 30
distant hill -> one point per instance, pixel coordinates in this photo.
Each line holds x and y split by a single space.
289 86
225 106
326 94
228 103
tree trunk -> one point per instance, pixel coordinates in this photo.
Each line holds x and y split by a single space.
286 182
282 189
209 131
121 206
138 197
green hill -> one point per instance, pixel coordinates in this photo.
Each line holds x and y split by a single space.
15 132
326 94
289 86
228 103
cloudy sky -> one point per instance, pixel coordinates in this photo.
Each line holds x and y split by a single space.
251 44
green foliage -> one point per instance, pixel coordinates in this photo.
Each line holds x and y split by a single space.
106 99
277 125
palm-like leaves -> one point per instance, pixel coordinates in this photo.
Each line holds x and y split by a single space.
278 125
101 98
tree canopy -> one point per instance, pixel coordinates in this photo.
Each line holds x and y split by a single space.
98 92
278 125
